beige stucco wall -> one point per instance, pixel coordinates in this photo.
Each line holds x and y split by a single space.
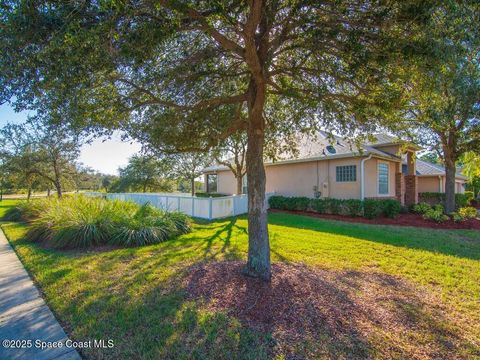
226 183
434 184
293 179
343 190
298 179
429 184
371 178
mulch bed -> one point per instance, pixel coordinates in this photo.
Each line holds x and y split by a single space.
415 220
331 314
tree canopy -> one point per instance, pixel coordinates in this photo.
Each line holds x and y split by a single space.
178 75
443 113
146 174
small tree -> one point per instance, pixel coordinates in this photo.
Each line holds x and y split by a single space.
232 153
39 148
147 174
189 166
108 181
19 156
58 147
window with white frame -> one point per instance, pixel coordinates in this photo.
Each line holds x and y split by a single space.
346 173
211 183
383 176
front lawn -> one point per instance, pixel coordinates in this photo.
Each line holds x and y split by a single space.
6 204
365 291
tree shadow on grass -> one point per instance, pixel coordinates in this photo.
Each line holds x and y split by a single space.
459 243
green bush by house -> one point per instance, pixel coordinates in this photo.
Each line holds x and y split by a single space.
77 222
370 208
434 198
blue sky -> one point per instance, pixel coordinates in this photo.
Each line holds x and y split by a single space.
104 155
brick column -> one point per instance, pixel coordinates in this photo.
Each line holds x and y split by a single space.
411 192
398 187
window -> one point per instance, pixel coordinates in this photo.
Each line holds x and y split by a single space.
244 184
331 149
211 183
383 175
346 173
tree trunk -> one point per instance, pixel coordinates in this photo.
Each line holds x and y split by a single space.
145 187
58 187
58 181
239 185
258 263
450 171
48 192
192 183
29 194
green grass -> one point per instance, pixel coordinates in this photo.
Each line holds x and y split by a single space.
135 296
5 205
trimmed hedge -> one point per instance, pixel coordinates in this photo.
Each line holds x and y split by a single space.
370 208
434 198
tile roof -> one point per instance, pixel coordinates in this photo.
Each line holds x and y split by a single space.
382 139
322 147
424 168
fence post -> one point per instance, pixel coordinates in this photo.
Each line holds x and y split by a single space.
193 205
178 203
210 208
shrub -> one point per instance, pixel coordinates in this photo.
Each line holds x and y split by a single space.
332 206
278 202
421 208
372 208
391 208
289 203
319 205
469 195
78 222
13 214
436 214
468 212
434 198
299 203
457 217
353 207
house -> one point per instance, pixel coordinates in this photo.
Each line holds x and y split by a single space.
332 167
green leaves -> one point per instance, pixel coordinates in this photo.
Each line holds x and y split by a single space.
140 66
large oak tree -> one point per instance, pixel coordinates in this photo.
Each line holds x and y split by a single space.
444 111
177 74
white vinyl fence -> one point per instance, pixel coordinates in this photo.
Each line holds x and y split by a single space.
204 208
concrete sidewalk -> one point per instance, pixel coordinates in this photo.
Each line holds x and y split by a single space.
24 314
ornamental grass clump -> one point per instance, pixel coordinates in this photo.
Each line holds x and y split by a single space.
149 225
79 222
